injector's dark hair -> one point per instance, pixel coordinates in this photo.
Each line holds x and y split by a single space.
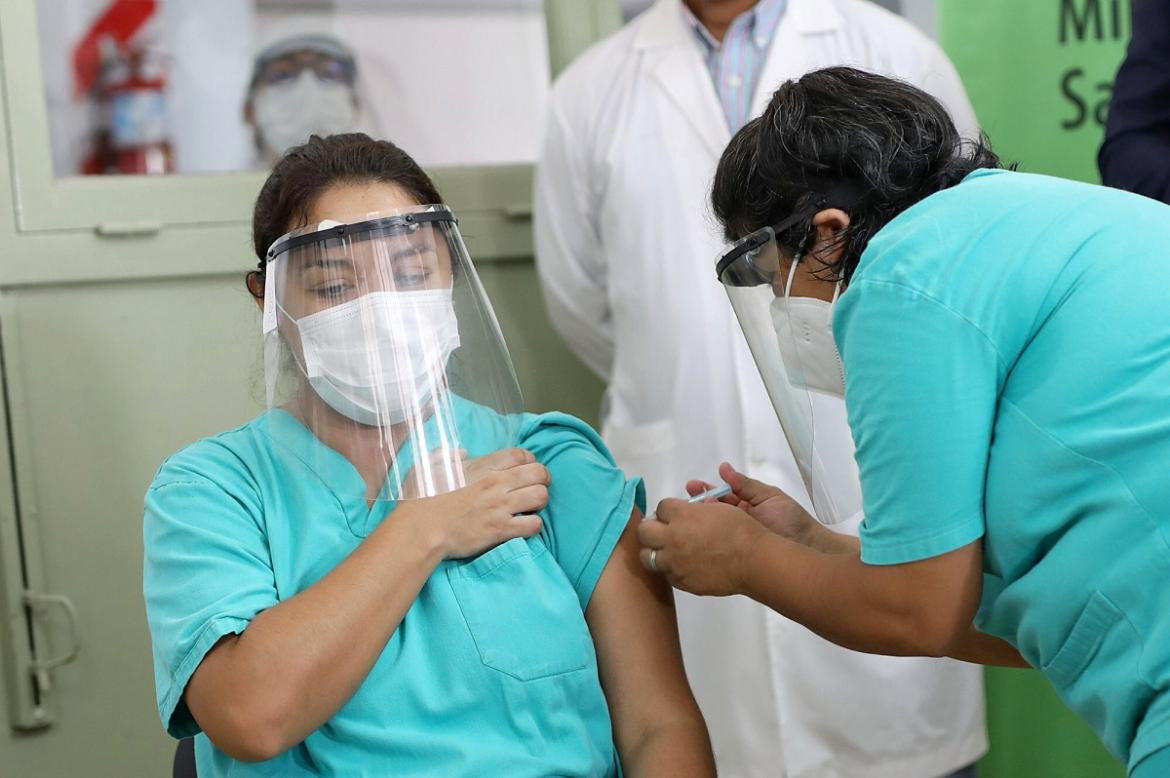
840 130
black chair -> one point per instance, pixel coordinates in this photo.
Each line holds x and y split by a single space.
184 766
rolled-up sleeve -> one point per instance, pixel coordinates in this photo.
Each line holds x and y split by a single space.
590 499
922 384
207 571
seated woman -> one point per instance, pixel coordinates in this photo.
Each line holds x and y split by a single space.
393 571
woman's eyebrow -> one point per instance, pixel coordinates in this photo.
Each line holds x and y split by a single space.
407 252
326 263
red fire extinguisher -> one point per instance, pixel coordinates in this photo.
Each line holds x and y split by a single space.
125 78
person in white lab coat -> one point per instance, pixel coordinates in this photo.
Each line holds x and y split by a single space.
625 250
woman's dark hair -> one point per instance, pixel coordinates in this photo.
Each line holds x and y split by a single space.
840 137
306 171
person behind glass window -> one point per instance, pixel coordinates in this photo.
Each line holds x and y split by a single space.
301 85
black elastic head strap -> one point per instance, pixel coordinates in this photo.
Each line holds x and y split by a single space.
843 193
359 228
839 193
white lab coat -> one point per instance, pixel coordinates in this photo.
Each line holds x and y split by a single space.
626 248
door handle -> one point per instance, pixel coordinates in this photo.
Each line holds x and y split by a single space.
138 229
42 602
518 212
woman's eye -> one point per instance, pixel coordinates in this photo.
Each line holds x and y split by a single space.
411 278
332 291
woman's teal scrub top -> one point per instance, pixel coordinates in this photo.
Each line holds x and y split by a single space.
491 672
1006 345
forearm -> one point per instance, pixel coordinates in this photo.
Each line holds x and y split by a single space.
974 646
858 606
983 649
673 748
300 661
825 540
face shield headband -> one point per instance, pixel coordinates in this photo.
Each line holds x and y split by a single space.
754 259
329 230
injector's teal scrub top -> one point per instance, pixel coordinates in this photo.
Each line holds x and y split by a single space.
491 672
1006 345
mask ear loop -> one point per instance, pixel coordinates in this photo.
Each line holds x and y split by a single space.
791 275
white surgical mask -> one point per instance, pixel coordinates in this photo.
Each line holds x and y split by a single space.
288 113
380 359
804 332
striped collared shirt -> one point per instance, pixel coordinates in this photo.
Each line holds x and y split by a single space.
736 62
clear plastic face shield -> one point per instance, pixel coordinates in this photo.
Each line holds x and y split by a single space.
380 341
791 341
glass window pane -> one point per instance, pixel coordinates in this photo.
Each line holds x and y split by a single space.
213 86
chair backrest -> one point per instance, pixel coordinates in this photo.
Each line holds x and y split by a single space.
184 766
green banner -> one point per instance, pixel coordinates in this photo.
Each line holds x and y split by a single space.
1040 74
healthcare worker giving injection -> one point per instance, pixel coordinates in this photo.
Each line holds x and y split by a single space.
1002 342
